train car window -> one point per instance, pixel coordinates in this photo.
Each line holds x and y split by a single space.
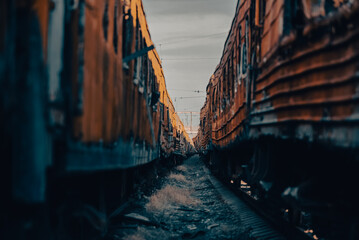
224 90
141 65
81 57
145 73
138 34
105 21
213 99
228 94
245 50
73 4
115 30
152 78
138 61
145 68
239 52
224 85
148 76
127 33
204 123
217 97
228 76
289 16
170 137
313 8
168 118
161 112
220 95
233 72
223 103
154 99
149 80
262 11
244 59
317 8
165 116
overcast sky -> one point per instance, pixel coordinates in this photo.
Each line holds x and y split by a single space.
189 36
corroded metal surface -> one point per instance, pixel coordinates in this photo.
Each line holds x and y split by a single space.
72 103
116 101
286 73
282 109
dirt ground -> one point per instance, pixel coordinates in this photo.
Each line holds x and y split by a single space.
183 205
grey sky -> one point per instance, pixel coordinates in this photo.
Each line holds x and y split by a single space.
189 36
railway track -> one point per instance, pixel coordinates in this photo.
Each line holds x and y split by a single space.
256 220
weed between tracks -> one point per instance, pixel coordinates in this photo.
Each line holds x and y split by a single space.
178 177
185 205
145 233
169 197
181 168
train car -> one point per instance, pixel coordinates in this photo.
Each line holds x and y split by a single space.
85 113
195 141
176 143
183 144
282 110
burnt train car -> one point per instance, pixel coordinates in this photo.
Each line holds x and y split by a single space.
85 112
175 140
281 113
183 144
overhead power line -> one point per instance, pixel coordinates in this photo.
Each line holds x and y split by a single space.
186 90
186 59
193 38
190 97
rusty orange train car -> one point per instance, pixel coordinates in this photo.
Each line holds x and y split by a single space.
281 112
84 110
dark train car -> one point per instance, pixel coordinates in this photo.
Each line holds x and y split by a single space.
183 146
283 111
85 114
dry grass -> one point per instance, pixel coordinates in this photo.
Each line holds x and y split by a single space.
168 197
181 168
178 177
146 233
136 236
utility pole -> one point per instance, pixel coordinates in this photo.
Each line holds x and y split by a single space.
189 128
191 122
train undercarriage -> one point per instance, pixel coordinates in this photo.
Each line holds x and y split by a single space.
310 186
79 205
